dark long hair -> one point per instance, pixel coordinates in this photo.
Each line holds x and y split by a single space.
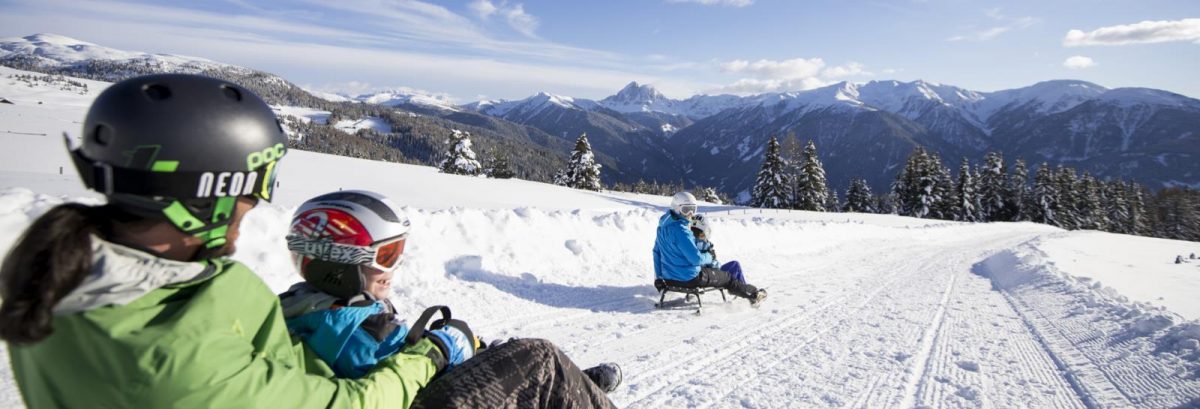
49 261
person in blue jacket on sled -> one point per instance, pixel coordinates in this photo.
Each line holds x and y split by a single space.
680 261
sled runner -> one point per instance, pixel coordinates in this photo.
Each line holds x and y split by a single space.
666 286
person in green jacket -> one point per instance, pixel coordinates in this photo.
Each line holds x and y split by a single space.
134 303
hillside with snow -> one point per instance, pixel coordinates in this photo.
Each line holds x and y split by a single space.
864 310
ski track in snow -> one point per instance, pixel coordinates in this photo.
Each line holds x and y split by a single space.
881 331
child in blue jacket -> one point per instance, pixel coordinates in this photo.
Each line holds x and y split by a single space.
703 230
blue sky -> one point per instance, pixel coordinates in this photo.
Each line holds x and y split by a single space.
474 49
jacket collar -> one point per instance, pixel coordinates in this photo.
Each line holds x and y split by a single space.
121 274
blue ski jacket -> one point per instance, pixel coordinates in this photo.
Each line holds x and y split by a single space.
337 335
675 254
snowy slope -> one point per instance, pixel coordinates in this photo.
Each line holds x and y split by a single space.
58 49
865 310
403 96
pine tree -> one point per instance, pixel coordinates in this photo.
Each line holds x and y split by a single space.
966 199
1176 214
793 157
813 192
1138 217
771 184
833 203
582 171
993 196
1091 211
1042 206
1018 190
460 159
1067 211
708 194
641 187
905 189
918 187
858 197
498 167
943 188
1117 207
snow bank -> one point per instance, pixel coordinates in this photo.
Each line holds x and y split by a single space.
1141 268
1027 267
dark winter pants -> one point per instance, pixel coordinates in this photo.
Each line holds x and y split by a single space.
735 271
522 373
712 277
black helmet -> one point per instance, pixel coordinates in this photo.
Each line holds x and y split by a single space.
180 146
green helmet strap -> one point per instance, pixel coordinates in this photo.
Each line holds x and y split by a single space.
212 232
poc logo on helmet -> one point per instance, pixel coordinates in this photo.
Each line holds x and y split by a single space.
268 155
224 184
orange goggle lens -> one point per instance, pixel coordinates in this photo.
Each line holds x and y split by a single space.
387 255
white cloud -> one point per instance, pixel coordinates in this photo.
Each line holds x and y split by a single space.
483 8
731 3
521 21
994 13
1138 33
1079 62
851 69
787 75
990 33
770 69
514 15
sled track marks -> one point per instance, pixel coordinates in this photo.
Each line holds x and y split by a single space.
983 355
1108 365
925 353
768 347
913 336
733 356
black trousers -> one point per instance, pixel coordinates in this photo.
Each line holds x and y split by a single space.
522 373
716 278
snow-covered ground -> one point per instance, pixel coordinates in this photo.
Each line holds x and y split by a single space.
353 125
864 310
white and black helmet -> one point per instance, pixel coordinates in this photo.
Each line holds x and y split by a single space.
699 222
335 234
684 204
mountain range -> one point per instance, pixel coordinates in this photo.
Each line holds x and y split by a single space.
860 129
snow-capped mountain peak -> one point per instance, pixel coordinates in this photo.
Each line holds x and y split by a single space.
1128 97
404 95
640 98
54 49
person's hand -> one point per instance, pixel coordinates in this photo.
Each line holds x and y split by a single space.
456 344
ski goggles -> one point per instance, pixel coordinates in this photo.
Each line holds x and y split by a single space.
382 255
687 210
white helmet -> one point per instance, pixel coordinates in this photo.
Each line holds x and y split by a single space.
684 203
703 224
332 235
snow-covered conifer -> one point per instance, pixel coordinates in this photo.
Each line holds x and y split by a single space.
1042 206
460 159
858 197
498 167
966 199
582 171
993 187
812 190
708 194
1018 189
771 184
